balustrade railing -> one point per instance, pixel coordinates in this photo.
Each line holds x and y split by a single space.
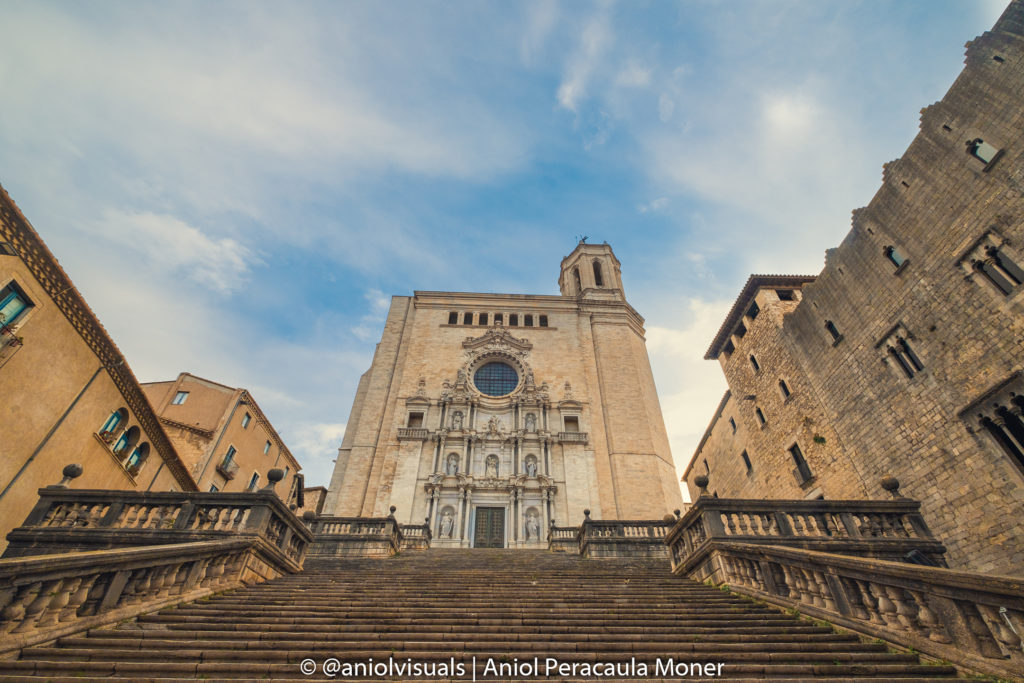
81 519
615 538
356 536
415 536
572 437
413 434
973 620
888 529
49 596
564 539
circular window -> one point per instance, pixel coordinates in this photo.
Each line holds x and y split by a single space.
495 379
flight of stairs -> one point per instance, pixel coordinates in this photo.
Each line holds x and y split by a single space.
430 607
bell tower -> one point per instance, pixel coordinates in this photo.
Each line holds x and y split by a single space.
591 271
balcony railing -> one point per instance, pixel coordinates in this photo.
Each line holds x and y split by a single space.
355 536
412 434
228 468
572 437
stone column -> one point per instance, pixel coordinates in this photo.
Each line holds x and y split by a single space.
467 531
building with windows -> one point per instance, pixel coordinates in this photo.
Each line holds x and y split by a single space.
904 356
225 440
69 395
493 416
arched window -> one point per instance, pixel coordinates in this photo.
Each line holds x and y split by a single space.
576 279
598 277
528 320
137 459
1000 270
467 318
127 441
114 424
453 318
483 319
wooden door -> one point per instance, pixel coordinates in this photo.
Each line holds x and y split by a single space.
490 528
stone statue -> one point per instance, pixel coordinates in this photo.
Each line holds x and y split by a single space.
447 524
493 426
460 376
531 422
532 527
531 467
491 468
457 419
452 465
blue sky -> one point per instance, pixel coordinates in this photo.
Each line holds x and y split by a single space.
238 188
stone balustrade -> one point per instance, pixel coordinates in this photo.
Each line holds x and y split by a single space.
892 529
572 437
413 434
48 596
415 536
623 538
355 536
973 620
564 539
67 520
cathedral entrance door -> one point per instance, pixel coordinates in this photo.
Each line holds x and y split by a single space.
490 528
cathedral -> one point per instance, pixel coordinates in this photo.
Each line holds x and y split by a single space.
495 416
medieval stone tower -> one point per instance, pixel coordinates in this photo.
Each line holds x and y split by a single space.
493 415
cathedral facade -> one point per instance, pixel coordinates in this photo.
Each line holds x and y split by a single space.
494 416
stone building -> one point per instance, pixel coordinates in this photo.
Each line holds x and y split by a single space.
69 395
905 355
223 437
493 415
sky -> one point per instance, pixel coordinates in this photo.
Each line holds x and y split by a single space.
238 188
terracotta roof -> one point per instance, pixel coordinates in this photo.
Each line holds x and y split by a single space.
739 307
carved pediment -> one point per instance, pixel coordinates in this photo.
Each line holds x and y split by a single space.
497 339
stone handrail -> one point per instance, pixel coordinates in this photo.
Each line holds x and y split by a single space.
973 620
48 596
563 539
616 537
415 537
83 519
413 433
887 529
356 536
572 437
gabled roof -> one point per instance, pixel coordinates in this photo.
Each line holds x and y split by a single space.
739 307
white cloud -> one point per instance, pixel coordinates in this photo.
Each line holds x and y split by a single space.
594 41
654 205
666 107
633 75
170 244
688 386
541 17
318 443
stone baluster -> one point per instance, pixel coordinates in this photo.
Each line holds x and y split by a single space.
77 598
792 583
855 599
905 614
870 603
886 609
15 611
824 591
928 620
61 597
34 609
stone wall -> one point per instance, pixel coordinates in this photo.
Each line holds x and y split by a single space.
863 407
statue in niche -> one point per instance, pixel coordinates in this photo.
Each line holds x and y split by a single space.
531 422
457 419
491 467
460 377
531 466
493 425
452 465
447 524
532 527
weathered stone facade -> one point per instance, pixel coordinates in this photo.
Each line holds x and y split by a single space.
576 426
903 357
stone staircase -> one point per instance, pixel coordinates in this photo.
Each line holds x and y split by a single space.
442 608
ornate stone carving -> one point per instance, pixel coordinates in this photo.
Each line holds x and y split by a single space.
532 526
531 466
447 524
491 466
531 422
451 466
457 420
